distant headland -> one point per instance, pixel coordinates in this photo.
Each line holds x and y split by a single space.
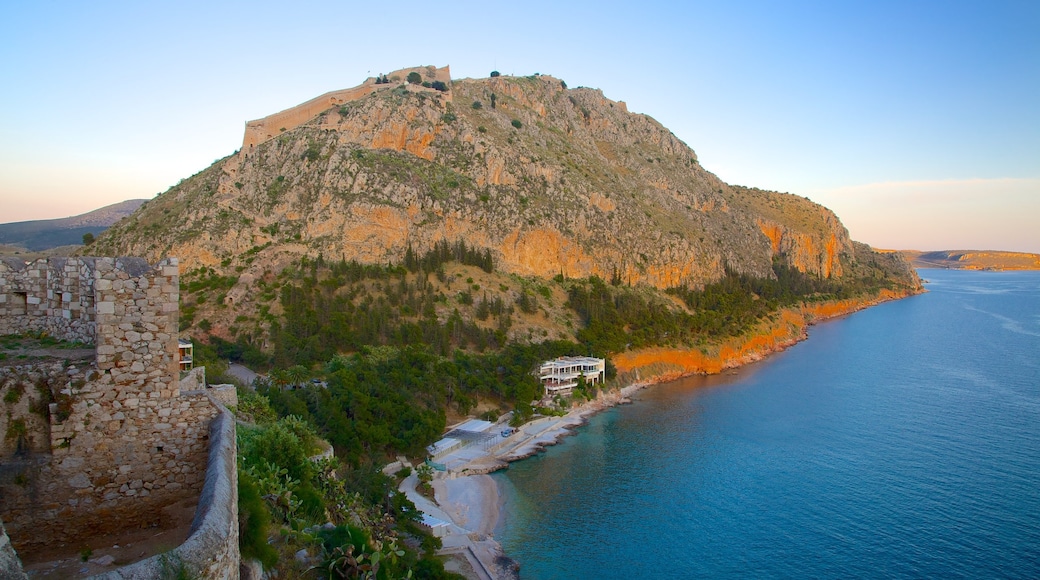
993 260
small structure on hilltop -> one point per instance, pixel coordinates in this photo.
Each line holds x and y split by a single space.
560 376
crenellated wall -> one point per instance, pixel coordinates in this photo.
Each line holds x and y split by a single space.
271 126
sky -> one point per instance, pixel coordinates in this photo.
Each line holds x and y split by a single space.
917 122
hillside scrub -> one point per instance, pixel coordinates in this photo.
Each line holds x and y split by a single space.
350 522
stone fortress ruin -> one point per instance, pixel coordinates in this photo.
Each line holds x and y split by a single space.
271 126
99 444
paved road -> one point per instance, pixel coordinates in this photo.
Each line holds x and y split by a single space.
242 373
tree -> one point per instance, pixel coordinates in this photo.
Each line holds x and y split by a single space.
425 474
88 238
495 73
414 78
297 374
492 100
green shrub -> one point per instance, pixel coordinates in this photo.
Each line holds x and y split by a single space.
253 523
255 408
414 78
477 105
14 394
516 123
278 445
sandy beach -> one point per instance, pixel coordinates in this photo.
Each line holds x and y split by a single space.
467 499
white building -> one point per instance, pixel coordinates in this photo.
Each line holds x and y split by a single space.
186 350
560 376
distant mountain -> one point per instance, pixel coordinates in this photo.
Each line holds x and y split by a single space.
36 235
973 259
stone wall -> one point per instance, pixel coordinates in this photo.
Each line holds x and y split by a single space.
54 295
211 550
118 440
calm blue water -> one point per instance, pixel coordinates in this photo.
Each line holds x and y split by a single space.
902 441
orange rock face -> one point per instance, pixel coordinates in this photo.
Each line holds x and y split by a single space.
803 250
734 352
664 364
544 252
398 137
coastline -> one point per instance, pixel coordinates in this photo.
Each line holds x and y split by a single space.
470 499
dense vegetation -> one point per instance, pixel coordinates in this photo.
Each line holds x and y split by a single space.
388 366
333 521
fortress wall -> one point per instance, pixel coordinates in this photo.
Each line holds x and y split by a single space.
137 318
271 126
261 130
54 295
118 442
211 550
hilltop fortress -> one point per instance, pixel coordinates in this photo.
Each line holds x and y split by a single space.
93 447
261 130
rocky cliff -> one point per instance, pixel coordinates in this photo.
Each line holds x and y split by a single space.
551 180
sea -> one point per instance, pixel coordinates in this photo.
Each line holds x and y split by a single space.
902 441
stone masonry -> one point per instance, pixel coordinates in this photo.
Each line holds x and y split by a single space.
112 442
55 296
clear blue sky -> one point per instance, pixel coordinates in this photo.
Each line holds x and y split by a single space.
917 122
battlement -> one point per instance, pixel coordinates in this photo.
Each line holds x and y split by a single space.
261 130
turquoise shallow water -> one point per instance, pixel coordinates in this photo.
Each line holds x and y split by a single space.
902 441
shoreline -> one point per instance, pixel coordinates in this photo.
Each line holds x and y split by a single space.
470 498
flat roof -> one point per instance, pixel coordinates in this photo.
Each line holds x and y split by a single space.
432 521
474 426
442 444
570 361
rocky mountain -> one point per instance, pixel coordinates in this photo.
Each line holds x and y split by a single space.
973 259
39 235
550 180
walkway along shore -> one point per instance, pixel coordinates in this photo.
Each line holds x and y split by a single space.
467 500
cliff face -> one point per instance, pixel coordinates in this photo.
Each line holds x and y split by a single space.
551 180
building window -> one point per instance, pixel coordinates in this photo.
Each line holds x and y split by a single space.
19 302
